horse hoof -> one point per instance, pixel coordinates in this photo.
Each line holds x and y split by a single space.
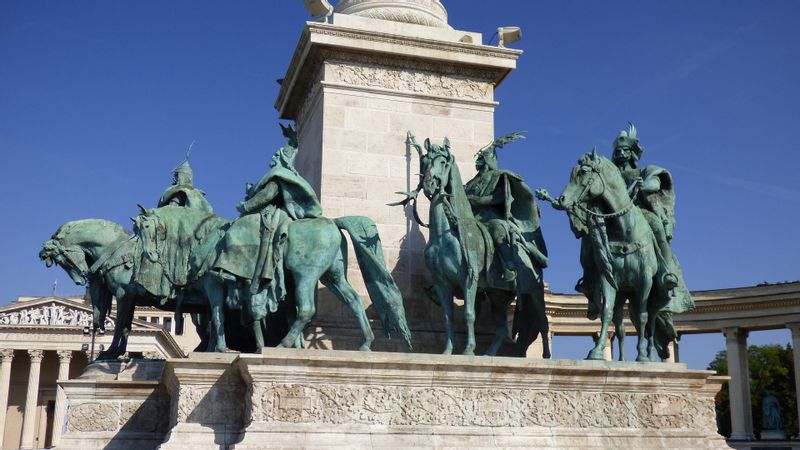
364 348
546 355
280 345
468 353
448 351
642 358
595 356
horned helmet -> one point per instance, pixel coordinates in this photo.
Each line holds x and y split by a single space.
627 148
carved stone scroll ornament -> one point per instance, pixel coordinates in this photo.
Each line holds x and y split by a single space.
388 405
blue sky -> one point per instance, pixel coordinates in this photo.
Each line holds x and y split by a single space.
98 101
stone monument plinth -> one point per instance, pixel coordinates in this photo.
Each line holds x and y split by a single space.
355 87
288 398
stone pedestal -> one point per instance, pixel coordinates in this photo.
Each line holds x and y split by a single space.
116 406
322 399
355 87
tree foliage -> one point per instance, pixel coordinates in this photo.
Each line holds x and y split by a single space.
771 369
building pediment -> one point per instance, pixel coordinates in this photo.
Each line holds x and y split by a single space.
55 311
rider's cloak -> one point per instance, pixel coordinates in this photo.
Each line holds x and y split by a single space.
520 205
187 196
240 246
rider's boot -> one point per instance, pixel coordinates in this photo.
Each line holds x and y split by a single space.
509 274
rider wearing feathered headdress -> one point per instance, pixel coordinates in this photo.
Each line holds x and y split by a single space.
502 201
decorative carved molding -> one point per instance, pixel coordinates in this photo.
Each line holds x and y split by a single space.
423 406
152 355
409 80
406 41
36 355
52 314
64 355
7 354
220 403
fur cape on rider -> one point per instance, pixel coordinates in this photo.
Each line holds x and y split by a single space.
662 202
187 196
521 206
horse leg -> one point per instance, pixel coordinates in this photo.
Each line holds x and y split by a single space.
642 294
499 301
619 326
470 292
540 317
335 280
446 301
216 299
304 297
609 300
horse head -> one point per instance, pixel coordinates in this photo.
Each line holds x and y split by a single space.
146 226
587 181
436 165
71 256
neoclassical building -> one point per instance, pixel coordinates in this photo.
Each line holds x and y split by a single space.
44 339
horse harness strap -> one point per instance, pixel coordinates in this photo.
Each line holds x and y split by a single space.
105 262
626 248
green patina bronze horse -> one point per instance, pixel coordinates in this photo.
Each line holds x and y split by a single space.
460 255
624 253
105 256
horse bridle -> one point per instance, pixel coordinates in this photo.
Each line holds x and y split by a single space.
588 185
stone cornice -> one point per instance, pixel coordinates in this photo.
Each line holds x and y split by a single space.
501 61
756 307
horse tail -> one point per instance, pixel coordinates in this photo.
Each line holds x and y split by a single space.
383 291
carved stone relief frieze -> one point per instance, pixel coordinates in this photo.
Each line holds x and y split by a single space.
410 80
390 405
93 416
220 403
52 314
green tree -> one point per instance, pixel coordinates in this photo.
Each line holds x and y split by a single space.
771 369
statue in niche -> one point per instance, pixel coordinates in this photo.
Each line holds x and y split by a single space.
771 417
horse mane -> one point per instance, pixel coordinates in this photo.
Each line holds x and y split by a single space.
459 201
69 226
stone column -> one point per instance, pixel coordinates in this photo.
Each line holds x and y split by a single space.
64 358
608 350
673 352
795 327
6 355
739 386
29 415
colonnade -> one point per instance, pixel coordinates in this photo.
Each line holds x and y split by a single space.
739 386
32 394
